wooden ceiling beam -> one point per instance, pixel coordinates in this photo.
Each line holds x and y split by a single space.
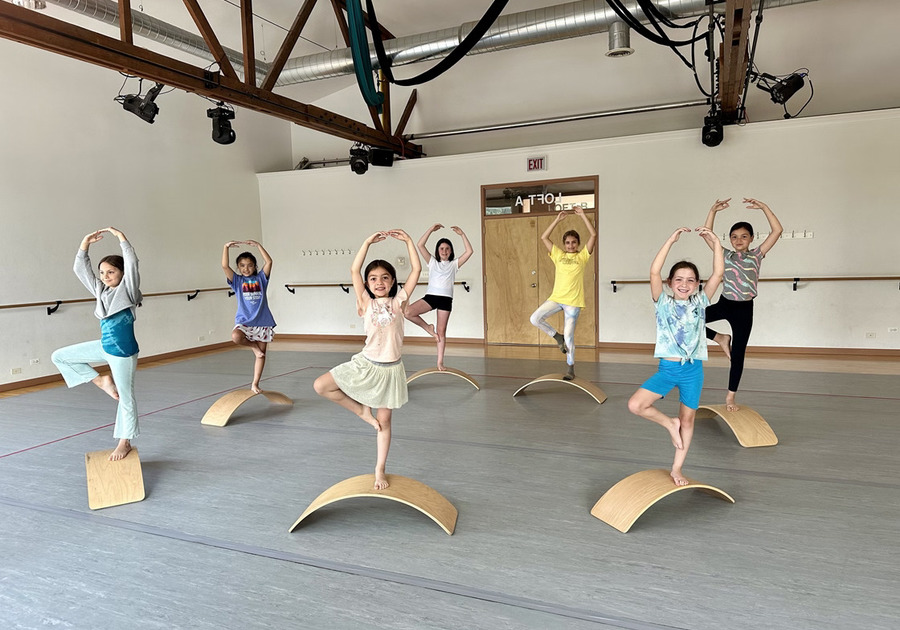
341 20
47 33
290 40
210 38
126 32
247 39
407 112
385 34
733 57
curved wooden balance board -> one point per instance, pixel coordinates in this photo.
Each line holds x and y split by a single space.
749 427
622 504
586 386
455 372
221 411
403 489
113 483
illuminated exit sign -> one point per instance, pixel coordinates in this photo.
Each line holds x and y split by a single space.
537 163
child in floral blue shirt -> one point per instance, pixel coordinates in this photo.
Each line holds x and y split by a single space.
680 343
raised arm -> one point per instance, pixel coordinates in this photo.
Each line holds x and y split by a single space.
711 215
359 283
545 237
469 251
592 240
718 261
267 260
775 228
131 279
415 266
226 261
83 268
656 281
422 241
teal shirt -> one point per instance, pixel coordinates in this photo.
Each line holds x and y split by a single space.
680 328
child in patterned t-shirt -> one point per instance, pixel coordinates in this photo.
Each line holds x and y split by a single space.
680 344
254 326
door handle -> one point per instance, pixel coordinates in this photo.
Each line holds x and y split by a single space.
533 285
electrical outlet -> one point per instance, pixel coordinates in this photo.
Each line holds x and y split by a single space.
201 338
35 361
210 333
352 325
870 335
893 329
15 371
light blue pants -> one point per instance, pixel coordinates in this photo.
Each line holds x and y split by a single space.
74 362
570 315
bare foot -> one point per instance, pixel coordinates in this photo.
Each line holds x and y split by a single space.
381 481
730 405
675 432
724 341
106 383
254 387
678 478
367 416
441 367
431 331
123 448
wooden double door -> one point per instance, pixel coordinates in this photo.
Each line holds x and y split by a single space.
519 277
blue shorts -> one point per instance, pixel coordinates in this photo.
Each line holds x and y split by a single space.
687 377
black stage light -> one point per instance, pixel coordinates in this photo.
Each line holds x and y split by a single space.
221 124
359 159
712 130
381 157
143 107
786 88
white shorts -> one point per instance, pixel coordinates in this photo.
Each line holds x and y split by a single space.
257 333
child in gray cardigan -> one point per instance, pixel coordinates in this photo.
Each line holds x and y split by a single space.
118 292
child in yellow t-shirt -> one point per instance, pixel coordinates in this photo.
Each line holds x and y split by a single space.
568 285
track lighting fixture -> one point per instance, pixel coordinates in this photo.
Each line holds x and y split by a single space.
780 89
359 158
712 133
144 107
222 116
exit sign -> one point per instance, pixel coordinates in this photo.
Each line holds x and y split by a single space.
537 163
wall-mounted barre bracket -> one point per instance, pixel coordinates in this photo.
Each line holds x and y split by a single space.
796 280
344 289
193 295
291 289
230 293
613 283
53 309
466 286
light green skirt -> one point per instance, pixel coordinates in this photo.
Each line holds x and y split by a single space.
375 385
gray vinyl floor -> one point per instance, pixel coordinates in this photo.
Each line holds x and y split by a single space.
811 542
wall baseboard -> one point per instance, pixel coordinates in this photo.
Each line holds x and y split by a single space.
361 339
104 369
830 353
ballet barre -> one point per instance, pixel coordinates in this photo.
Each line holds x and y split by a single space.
53 305
795 281
345 286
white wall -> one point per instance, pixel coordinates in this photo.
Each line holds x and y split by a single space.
72 161
835 176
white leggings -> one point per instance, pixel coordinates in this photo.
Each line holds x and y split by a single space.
73 363
570 313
